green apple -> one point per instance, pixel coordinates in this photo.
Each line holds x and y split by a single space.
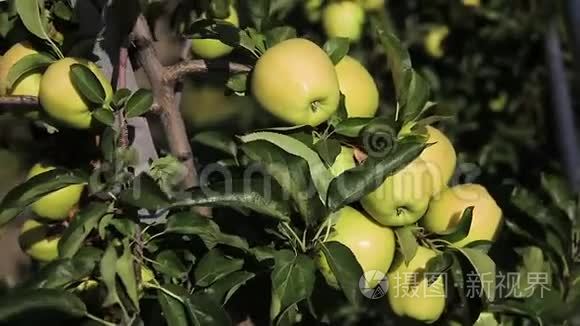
373 245
295 80
60 99
312 10
208 106
36 241
446 210
359 88
211 48
440 157
56 205
372 5
433 42
344 161
29 84
409 294
403 198
472 3
343 19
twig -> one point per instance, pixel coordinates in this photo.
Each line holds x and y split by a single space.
8 102
180 70
122 83
170 116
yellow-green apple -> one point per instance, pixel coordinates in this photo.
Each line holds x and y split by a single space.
472 3
295 80
433 42
56 205
372 245
344 161
36 241
213 48
402 198
343 19
372 4
28 84
60 99
440 157
312 10
409 294
359 88
208 106
446 210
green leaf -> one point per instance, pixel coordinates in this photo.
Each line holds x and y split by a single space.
145 193
259 195
28 64
337 48
169 263
34 188
560 193
217 140
189 223
215 265
108 275
104 116
223 289
29 301
438 265
120 97
412 90
328 149
78 230
203 311
31 13
355 183
238 82
320 175
63 11
292 278
461 230
532 205
345 268
484 267
407 242
139 103
87 84
173 310
125 268
291 173
481 245
279 34
352 127
221 30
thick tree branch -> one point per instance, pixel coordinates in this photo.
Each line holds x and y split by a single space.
180 70
7 102
170 116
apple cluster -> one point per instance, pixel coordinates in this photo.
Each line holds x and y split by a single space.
58 97
419 193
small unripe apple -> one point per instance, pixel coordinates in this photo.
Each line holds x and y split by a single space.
36 241
60 99
359 88
211 48
56 205
373 245
433 42
409 294
372 5
208 106
295 80
29 84
343 19
472 3
446 210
